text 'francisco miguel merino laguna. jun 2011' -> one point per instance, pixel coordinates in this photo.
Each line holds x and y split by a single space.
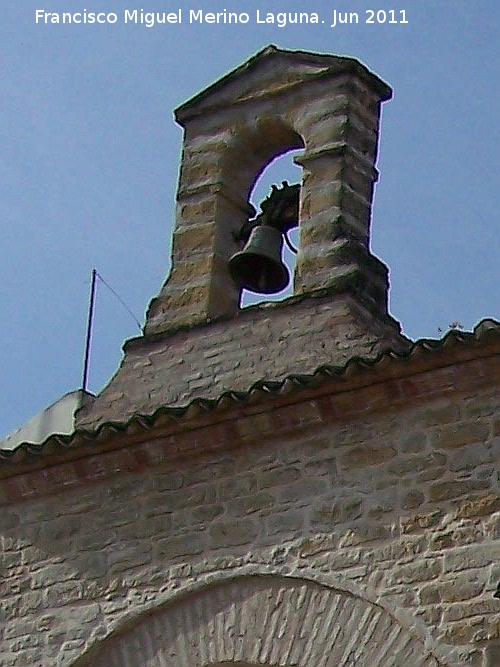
330 18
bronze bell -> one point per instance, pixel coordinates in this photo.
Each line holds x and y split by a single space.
258 267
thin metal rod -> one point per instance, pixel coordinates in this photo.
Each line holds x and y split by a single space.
88 339
120 300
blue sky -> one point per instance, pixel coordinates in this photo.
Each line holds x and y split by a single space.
90 155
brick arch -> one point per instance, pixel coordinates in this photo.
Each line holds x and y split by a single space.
264 620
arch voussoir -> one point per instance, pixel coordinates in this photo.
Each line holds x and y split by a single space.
274 621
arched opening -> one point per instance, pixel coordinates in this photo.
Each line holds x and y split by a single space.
282 168
262 621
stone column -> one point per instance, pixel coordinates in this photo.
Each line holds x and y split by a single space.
341 123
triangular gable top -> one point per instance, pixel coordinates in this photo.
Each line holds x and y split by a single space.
268 72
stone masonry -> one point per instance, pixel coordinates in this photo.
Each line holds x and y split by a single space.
359 517
277 101
289 485
264 343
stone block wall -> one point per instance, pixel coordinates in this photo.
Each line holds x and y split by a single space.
387 497
278 340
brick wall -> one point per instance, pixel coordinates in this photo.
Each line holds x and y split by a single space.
394 502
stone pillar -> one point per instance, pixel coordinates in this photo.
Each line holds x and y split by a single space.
208 213
276 101
341 124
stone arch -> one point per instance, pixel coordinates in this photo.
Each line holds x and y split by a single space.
282 168
264 620
276 101
254 145
254 148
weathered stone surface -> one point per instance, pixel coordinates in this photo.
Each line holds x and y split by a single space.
232 533
459 434
492 656
205 362
228 146
350 522
454 489
279 503
480 506
465 558
260 628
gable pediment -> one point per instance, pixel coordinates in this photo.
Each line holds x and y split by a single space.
269 72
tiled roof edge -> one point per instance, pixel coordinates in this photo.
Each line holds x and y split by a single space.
486 329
